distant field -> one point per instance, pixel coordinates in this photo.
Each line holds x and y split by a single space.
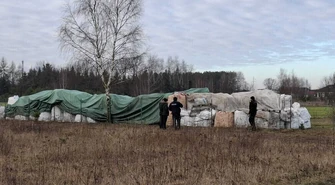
320 112
2 103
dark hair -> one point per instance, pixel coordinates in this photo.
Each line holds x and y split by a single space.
165 99
253 98
174 98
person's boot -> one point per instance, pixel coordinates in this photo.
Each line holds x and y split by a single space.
177 127
254 128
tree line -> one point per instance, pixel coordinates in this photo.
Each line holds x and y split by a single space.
298 87
289 83
142 75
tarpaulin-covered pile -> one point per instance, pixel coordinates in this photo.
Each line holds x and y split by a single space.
200 108
72 103
274 110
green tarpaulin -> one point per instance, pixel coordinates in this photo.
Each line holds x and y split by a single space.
140 109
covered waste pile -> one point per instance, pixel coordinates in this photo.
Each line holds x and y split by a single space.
76 106
200 108
228 110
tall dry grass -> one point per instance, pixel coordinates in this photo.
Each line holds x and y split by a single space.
65 153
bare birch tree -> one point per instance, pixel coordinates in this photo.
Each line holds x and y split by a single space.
102 33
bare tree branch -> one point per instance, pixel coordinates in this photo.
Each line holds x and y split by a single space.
103 33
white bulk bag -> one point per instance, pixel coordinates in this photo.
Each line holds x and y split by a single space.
241 119
90 120
68 117
80 119
44 116
2 112
57 114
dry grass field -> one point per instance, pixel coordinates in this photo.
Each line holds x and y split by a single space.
64 153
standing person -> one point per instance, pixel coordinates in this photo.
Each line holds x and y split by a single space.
174 107
252 112
163 113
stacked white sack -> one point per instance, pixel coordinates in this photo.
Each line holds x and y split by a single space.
241 119
57 114
80 119
300 116
205 118
2 112
263 119
186 120
90 120
68 117
44 116
21 118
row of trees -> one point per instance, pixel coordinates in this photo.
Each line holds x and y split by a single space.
142 75
287 83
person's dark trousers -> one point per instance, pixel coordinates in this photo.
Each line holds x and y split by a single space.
252 121
162 124
176 121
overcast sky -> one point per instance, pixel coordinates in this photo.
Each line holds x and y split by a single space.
255 37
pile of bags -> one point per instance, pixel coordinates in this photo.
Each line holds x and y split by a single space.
56 114
225 110
212 109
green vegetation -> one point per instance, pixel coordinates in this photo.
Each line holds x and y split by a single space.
3 103
321 117
320 112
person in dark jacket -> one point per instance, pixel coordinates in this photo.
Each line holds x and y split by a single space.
174 107
252 112
163 113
